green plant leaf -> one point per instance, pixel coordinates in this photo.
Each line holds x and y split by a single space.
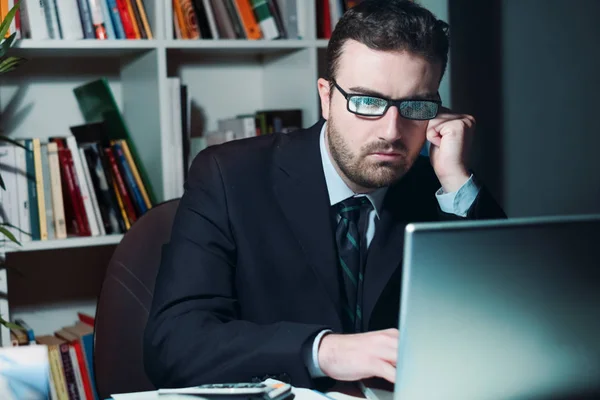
10 324
12 141
15 227
9 235
2 183
6 44
10 63
8 19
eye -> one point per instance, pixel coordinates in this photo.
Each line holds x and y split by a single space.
418 109
367 104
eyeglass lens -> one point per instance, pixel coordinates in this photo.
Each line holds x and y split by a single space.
412 109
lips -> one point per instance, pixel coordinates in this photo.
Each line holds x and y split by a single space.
386 155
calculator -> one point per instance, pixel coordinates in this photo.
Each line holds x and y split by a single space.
265 391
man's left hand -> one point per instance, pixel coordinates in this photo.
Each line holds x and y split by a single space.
450 136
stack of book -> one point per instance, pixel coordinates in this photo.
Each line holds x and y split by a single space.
63 187
79 19
88 183
261 122
70 356
239 19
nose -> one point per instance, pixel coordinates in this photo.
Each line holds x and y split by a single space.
391 125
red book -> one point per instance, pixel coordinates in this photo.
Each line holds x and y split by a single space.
326 20
79 222
86 319
85 376
121 186
126 19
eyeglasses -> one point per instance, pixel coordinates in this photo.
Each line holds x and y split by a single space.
373 106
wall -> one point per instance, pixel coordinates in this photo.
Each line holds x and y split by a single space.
552 76
440 9
529 71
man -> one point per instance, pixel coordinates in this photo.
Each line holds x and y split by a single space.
285 256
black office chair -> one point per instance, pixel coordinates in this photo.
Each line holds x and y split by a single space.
124 303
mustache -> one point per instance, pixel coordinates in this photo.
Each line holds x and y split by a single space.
385 147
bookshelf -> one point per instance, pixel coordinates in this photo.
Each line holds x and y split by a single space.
62 244
225 78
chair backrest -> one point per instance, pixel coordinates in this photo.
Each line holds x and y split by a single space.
124 303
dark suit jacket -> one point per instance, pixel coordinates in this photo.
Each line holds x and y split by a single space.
250 274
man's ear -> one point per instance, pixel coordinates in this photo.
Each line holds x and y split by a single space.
323 86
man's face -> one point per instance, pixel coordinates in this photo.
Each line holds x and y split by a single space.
372 152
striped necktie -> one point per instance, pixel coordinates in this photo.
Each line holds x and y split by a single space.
351 244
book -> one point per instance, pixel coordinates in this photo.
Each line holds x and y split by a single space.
97 103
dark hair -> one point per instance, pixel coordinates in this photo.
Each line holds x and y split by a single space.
390 25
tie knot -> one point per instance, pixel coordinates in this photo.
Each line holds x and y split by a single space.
351 207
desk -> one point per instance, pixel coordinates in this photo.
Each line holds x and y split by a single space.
341 391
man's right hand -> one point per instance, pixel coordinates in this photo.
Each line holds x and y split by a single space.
359 356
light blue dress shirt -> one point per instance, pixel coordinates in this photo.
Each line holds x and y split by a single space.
457 203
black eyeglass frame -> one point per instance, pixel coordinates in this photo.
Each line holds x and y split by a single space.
389 103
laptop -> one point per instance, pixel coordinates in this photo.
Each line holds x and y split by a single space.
500 309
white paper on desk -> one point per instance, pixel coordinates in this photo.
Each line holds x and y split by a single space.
309 394
299 393
153 395
343 396
136 396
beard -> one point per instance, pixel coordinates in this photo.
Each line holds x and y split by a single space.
365 172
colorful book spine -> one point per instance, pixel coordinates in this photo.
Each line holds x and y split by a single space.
122 190
265 19
39 187
129 179
78 219
86 19
136 173
115 17
58 207
68 371
132 14
34 215
144 18
249 23
108 22
127 19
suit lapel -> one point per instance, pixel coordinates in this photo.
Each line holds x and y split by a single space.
299 185
384 257
406 201
409 200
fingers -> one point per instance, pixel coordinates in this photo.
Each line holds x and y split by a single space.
448 124
433 137
388 351
384 345
386 371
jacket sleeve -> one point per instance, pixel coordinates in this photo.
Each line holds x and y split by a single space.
194 333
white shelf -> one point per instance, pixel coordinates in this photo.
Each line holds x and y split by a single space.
238 44
91 47
173 43
234 47
38 245
85 44
321 43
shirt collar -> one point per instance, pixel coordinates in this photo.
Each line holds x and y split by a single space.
337 188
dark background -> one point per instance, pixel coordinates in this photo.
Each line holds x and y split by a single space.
529 70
